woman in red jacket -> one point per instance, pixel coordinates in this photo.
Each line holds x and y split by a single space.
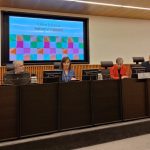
118 71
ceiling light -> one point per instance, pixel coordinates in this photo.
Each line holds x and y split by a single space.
109 4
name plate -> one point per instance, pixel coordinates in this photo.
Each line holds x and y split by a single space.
144 75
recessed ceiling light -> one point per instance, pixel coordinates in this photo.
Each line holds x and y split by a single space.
109 4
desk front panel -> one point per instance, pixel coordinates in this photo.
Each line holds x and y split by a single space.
134 99
106 104
9 112
38 109
148 97
75 104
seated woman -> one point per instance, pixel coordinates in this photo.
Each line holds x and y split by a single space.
18 76
67 74
118 71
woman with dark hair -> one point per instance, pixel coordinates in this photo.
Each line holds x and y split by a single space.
67 74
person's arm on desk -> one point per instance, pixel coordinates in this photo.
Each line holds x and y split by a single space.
124 77
72 74
124 72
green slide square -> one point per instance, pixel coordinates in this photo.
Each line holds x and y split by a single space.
26 37
12 38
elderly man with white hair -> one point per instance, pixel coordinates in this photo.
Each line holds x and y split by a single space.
18 76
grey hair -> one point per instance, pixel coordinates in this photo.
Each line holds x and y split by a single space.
15 63
119 59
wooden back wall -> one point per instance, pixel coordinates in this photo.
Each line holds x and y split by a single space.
38 70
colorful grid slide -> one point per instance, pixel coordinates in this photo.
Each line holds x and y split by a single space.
34 39
32 48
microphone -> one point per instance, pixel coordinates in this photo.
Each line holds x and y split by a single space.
119 69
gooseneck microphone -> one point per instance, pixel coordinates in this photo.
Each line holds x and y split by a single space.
119 69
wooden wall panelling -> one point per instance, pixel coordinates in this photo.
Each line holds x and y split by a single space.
2 71
38 70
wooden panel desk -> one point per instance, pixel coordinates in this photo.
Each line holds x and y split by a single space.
75 104
106 104
44 108
38 109
148 97
9 112
134 99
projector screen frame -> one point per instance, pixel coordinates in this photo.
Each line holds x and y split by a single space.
5 36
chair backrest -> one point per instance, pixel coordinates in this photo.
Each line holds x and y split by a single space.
57 65
106 72
106 64
138 59
9 67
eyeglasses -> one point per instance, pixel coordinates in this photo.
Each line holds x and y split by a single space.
19 66
66 63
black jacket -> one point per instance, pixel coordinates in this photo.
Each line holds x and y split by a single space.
146 64
16 79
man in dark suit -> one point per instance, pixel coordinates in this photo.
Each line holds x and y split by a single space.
146 64
17 76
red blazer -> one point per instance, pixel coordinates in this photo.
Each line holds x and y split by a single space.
114 71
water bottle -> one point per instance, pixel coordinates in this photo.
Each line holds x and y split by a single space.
100 77
33 78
